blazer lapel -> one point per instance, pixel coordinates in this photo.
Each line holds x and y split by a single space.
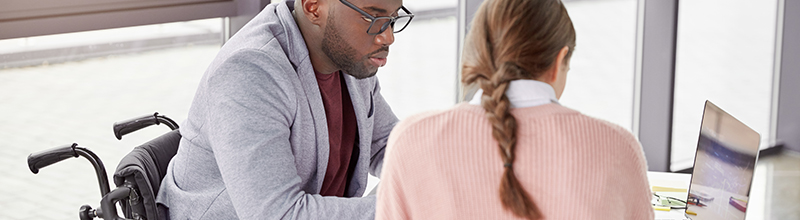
309 82
361 96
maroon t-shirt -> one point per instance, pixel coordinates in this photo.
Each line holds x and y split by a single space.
341 133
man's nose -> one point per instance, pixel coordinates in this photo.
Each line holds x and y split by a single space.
385 38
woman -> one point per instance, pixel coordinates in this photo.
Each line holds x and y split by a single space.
553 162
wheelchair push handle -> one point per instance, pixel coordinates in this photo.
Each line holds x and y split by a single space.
126 127
46 158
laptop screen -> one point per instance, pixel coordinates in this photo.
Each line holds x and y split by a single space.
723 167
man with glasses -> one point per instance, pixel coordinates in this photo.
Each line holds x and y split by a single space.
288 120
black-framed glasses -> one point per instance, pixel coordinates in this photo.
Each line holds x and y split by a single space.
379 24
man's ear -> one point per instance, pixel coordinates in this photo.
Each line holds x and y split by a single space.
312 10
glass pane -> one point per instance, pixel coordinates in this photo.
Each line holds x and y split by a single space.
76 98
725 53
600 80
420 73
417 6
59 48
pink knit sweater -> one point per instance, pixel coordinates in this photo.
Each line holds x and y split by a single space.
446 165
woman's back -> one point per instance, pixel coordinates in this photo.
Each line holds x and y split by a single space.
492 160
445 165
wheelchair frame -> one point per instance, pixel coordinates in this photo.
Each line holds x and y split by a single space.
127 193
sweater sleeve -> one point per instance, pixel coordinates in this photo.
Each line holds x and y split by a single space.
392 201
638 185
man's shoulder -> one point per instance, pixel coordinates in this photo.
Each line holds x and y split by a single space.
252 62
272 31
262 46
252 70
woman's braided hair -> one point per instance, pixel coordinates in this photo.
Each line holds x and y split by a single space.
509 40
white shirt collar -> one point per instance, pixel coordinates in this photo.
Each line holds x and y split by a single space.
524 93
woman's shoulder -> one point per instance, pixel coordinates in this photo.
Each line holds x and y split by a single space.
616 136
414 134
575 118
433 119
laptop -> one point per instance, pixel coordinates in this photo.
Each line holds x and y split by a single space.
727 151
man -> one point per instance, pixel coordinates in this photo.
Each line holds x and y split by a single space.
288 119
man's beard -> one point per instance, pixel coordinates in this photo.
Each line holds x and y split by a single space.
343 55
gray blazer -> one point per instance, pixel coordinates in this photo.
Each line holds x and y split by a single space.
255 143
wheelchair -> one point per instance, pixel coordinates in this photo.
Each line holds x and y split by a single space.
137 176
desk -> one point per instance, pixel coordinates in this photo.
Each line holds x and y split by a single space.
672 180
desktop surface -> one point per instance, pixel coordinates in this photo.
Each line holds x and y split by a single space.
673 181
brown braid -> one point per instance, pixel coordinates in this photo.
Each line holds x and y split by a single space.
504 130
509 40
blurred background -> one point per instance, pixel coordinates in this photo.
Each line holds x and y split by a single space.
70 88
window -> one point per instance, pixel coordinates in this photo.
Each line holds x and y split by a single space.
600 80
73 88
421 70
420 74
725 53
